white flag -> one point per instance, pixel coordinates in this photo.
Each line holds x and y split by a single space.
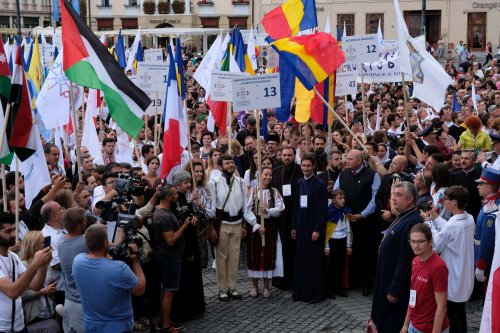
430 81
328 26
57 142
53 100
380 37
92 101
91 140
251 50
474 101
202 75
35 171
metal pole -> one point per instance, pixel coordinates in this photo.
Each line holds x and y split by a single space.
424 5
89 16
18 9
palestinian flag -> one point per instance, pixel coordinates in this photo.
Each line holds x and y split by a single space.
22 135
4 75
88 63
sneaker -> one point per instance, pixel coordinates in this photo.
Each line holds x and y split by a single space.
213 264
233 293
223 297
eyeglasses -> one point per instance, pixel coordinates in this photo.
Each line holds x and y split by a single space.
418 241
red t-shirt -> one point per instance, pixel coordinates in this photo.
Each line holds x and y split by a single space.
427 278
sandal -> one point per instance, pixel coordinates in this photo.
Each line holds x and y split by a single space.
253 292
233 293
223 297
145 321
138 326
266 293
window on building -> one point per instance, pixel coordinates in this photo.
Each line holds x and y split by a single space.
348 20
372 23
4 22
130 23
105 24
31 22
209 22
240 22
105 3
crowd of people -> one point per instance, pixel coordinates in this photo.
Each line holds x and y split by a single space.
405 211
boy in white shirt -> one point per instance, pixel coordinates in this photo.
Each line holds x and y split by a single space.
454 241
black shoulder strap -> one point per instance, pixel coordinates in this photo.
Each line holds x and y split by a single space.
13 300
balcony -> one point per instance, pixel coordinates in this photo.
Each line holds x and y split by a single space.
205 7
104 9
132 9
241 7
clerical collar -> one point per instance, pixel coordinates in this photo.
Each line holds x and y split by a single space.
468 171
307 178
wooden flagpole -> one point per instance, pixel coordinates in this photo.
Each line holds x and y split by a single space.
405 102
4 189
229 130
16 196
75 129
259 168
155 133
363 97
340 119
184 104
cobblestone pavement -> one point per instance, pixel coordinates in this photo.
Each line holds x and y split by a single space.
280 314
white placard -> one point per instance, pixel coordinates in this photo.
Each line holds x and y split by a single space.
256 92
152 76
345 84
385 69
259 37
390 44
359 49
158 99
153 55
273 58
47 54
221 85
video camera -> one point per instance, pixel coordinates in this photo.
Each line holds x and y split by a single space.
130 235
184 212
404 177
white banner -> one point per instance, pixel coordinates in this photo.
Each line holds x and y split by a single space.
47 54
386 69
153 55
256 92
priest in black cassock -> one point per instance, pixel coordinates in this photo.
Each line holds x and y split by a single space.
392 284
285 178
308 228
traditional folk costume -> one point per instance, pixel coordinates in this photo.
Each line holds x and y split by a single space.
264 261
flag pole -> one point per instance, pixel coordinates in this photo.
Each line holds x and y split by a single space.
4 189
340 119
184 104
363 97
16 177
346 110
155 133
75 129
405 102
259 168
229 130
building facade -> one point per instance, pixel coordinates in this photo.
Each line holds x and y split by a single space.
34 13
473 21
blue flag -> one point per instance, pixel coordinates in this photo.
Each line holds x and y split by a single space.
287 88
456 107
119 51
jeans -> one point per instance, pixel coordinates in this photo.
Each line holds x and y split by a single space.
412 329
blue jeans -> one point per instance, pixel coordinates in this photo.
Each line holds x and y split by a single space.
412 329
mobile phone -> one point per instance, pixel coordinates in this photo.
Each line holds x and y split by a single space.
56 279
46 241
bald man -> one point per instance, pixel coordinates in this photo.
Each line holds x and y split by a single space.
398 165
360 185
51 215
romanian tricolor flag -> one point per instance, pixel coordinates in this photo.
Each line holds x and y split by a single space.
290 18
312 58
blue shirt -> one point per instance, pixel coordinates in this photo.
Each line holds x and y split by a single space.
104 286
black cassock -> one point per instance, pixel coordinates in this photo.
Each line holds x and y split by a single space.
283 175
394 273
309 278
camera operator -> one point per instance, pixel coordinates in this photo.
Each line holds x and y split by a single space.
189 301
105 286
170 236
102 205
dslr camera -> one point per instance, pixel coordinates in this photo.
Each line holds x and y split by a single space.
130 235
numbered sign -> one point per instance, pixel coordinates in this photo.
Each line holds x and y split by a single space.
153 55
221 85
47 54
157 103
360 49
345 84
256 92
152 76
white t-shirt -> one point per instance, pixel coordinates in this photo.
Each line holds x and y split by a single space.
5 301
